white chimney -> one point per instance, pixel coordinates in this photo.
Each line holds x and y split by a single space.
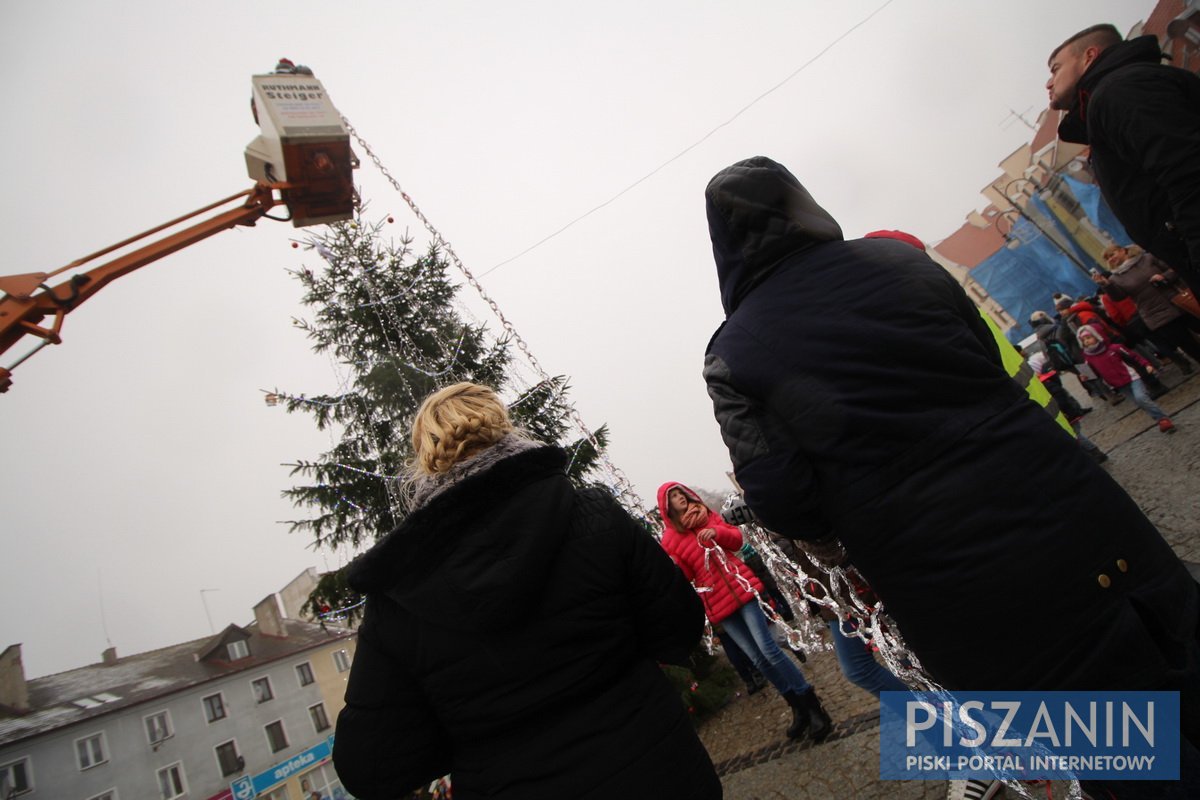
269 617
14 692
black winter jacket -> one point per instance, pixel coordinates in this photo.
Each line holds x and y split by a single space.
1061 345
861 396
511 638
1142 121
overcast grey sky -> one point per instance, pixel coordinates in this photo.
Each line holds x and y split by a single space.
140 464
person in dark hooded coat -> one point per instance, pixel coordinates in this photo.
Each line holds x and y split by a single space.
866 411
513 631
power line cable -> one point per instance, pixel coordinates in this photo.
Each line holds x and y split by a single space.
692 146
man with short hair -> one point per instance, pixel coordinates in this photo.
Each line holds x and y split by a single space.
1142 121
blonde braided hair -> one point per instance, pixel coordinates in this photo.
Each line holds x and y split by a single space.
455 423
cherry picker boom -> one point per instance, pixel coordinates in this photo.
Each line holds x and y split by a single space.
302 153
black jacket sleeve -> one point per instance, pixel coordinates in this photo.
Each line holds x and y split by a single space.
777 480
388 740
1162 137
668 614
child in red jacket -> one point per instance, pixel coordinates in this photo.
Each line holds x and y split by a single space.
1118 366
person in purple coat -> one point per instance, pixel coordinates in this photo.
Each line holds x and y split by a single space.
1121 368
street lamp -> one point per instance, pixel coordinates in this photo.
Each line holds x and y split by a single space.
1010 239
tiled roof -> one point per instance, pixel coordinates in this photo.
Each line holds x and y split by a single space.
970 245
87 692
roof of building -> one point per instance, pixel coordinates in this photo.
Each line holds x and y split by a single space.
76 695
970 245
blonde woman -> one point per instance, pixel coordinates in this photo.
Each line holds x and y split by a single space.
513 630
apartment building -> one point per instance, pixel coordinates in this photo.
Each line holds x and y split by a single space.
247 713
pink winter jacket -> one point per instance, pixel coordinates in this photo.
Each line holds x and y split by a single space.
1112 363
714 581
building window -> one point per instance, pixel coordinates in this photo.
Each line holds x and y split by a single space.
16 777
111 794
90 751
170 782
262 690
158 727
320 720
275 736
228 759
95 701
238 649
341 660
304 673
214 707
323 781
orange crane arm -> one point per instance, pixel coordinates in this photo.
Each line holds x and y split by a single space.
28 299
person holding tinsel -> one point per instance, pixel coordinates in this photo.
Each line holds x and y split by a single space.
513 631
704 547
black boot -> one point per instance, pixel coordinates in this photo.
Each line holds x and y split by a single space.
819 723
800 715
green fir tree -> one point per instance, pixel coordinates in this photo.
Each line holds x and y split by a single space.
385 316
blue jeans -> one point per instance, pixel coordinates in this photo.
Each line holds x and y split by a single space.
1136 392
737 659
748 628
859 665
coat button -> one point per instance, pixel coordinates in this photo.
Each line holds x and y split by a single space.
1122 565
1104 581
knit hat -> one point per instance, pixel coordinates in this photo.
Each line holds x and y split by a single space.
1039 316
907 238
1062 301
1101 343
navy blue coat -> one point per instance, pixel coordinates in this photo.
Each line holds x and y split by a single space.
862 397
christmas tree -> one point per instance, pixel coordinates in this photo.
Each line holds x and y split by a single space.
387 318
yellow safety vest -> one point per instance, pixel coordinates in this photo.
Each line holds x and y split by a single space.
1020 371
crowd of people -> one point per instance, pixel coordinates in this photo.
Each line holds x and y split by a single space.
1115 344
872 422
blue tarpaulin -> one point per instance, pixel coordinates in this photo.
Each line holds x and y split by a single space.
1047 219
1096 209
1023 278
